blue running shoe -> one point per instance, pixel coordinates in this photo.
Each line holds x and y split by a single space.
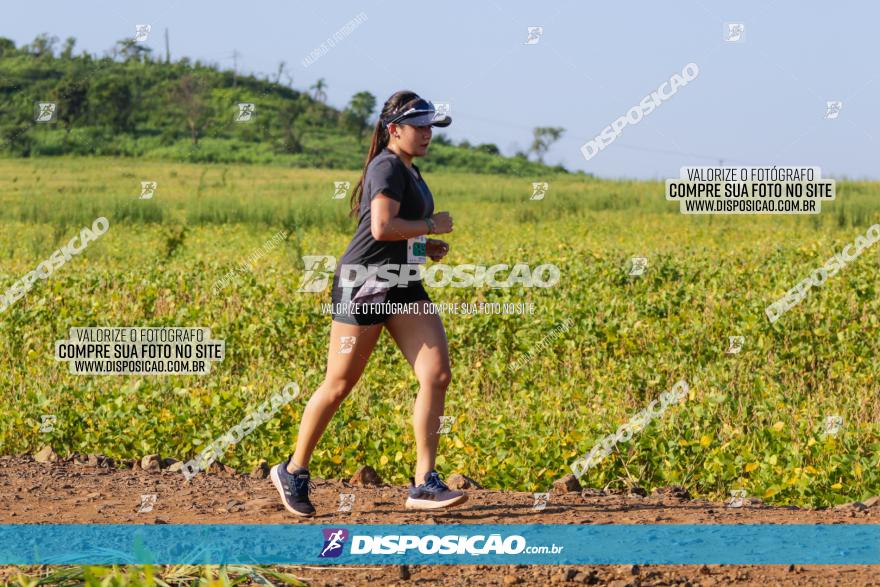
433 494
293 489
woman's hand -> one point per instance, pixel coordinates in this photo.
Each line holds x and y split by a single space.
442 222
436 249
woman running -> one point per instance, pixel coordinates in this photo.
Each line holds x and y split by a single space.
393 219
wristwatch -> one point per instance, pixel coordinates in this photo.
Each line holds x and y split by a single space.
430 225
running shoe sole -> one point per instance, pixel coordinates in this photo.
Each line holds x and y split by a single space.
273 473
429 504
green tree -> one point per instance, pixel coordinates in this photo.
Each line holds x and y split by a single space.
16 139
7 47
544 136
42 46
289 114
156 105
67 49
16 121
131 50
189 96
319 94
356 116
113 102
72 93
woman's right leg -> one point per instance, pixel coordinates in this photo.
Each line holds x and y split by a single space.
346 360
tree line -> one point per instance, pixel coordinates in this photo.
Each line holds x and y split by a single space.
129 102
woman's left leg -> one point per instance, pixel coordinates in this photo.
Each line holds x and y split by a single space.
422 339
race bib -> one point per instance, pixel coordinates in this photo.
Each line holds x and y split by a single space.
415 250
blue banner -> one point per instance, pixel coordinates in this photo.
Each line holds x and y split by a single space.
315 544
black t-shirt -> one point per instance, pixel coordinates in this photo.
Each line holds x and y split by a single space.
388 174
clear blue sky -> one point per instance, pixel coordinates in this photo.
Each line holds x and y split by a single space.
759 102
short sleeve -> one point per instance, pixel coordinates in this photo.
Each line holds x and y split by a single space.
383 176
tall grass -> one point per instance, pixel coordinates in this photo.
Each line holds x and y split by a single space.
755 419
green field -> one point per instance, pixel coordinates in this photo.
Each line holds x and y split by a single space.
753 420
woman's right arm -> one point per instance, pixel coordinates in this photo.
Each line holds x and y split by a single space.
386 225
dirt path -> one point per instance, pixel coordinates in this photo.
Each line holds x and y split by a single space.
70 492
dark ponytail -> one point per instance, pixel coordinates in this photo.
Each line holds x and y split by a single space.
393 105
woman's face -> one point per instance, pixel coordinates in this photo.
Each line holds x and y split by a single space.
414 140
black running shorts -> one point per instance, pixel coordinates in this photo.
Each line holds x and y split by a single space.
378 309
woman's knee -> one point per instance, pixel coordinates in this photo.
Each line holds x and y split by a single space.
336 390
436 378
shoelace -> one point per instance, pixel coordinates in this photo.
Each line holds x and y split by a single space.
300 486
435 481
